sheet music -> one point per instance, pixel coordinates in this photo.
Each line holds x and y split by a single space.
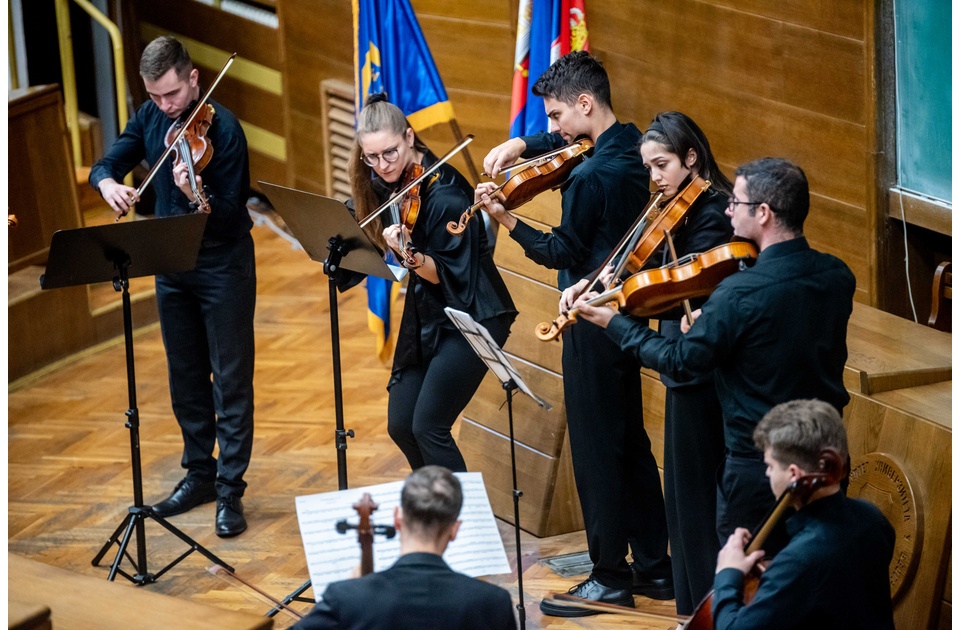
490 352
478 549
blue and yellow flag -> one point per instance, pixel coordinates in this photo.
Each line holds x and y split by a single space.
392 56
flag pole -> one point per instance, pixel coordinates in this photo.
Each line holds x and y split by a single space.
466 152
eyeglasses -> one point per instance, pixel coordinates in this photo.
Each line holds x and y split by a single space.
389 156
733 202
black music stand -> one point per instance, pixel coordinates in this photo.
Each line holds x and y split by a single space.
329 234
493 356
118 252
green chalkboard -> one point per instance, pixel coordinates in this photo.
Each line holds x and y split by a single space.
924 102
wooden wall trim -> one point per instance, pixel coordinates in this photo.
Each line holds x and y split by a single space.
919 210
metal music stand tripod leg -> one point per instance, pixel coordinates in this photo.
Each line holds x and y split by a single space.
134 521
508 387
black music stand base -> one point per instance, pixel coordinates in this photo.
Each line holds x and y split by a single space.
138 513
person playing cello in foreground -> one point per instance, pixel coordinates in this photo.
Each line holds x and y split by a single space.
435 371
419 592
833 574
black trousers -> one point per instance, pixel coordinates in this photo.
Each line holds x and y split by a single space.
206 319
426 399
617 477
744 497
693 451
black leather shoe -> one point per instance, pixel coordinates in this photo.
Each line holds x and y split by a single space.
188 494
649 586
595 592
230 521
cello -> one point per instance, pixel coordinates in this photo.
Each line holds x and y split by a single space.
365 531
798 493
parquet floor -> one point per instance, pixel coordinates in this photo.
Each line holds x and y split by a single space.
69 471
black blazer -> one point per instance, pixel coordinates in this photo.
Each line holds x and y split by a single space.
419 592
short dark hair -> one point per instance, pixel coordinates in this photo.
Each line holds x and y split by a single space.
572 75
163 53
783 186
431 499
798 430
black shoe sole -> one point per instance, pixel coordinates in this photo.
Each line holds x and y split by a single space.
548 608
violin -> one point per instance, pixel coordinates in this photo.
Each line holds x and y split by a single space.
404 212
193 124
832 470
539 174
365 531
656 222
193 148
654 291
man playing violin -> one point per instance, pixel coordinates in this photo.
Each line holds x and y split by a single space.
834 571
769 334
419 592
617 477
206 315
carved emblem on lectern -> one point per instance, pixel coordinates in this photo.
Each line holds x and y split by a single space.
881 480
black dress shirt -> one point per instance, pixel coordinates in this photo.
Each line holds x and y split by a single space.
832 575
773 333
227 176
602 197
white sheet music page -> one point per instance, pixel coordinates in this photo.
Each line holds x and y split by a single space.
477 551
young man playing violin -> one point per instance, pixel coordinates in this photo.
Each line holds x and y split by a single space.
769 334
419 592
206 315
617 478
834 571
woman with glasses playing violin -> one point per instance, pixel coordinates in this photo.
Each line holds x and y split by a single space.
435 371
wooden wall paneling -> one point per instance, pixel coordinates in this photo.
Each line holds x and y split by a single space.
42 191
654 397
465 12
538 428
923 449
536 302
488 452
226 31
840 18
511 257
565 513
317 44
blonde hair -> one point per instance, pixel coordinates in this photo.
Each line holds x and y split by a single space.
377 115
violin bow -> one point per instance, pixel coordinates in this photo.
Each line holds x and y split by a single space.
183 129
426 172
673 254
235 580
570 601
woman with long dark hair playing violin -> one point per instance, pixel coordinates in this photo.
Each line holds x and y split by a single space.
675 150
435 372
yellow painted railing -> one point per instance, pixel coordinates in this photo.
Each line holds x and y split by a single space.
68 70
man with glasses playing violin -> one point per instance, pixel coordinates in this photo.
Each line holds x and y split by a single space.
206 315
834 571
769 334
617 477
